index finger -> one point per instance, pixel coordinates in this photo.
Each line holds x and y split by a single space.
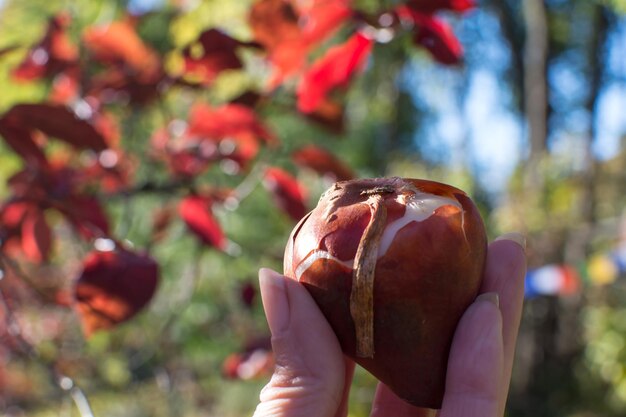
504 275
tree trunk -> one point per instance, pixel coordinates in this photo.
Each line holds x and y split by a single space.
579 243
536 83
513 32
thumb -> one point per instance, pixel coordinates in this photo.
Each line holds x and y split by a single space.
309 375
475 366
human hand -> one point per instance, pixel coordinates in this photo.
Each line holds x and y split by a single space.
312 377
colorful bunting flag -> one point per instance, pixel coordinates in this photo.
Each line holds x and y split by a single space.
565 280
552 280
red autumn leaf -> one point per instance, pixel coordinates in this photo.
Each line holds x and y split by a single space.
287 60
106 124
289 195
59 122
121 86
231 134
249 99
212 53
188 163
322 18
59 187
256 364
234 129
289 30
20 139
36 236
12 215
86 214
333 70
254 360
435 35
133 69
45 185
330 115
53 54
322 162
65 88
11 246
274 22
118 43
438 37
113 287
161 219
230 120
239 151
196 212
431 6
247 294
185 156
231 365
110 172
64 298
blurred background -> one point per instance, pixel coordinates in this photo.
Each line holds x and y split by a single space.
156 153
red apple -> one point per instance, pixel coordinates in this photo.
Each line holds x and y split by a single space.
392 263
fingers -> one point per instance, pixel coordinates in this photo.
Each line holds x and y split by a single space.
312 377
342 410
504 275
476 361
308 379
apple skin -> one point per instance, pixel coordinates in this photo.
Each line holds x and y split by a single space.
426 278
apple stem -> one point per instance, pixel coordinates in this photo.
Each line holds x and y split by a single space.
362 293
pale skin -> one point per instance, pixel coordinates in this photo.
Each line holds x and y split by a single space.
312 377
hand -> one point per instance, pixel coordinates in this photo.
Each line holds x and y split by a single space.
312 377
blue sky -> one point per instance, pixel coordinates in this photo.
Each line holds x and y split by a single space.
142 6
480 129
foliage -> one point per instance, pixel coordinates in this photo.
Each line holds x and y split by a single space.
154 162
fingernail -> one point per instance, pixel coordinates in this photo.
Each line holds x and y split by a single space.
516 237
490 297
275 302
